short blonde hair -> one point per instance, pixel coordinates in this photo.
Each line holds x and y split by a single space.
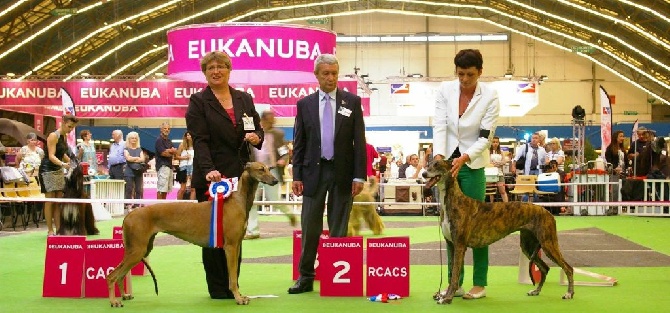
218 56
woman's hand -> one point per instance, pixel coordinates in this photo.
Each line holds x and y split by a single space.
252 138
213 176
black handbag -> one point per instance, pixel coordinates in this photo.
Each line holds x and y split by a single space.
521 162
138 167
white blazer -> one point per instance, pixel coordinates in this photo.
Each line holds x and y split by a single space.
450 131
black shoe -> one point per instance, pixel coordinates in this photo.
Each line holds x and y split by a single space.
222 295
302 285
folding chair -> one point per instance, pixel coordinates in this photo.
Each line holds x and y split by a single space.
18 208
524 185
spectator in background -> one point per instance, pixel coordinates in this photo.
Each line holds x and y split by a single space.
116 159
615 155
185 155
498 160
643 136
535 155
30 156
2 154
372 155
165 151
383 165
86 150
415 168
395 167
542 140
555 152
132 174
403 168
274 154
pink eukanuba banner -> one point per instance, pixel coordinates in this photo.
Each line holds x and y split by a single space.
258 51
124 99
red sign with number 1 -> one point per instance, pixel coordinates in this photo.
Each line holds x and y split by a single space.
64 267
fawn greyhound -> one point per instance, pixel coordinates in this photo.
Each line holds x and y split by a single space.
467 223
189 222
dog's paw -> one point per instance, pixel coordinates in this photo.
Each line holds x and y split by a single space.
534 292
116 303
444 300
568 295
242 300
128 297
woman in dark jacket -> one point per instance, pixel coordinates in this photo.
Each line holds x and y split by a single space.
224 124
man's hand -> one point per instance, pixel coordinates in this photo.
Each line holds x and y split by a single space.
297 187
356 188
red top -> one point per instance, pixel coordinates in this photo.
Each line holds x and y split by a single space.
231 113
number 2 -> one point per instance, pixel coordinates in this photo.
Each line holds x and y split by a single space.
337 279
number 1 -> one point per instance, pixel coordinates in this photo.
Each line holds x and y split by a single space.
63 273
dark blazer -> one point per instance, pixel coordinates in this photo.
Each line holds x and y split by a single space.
216 143
350 156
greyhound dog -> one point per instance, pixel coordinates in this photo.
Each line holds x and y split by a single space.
76 218
190 222
471 223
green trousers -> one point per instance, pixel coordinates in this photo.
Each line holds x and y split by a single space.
473 184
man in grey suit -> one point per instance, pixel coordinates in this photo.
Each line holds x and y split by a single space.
329 158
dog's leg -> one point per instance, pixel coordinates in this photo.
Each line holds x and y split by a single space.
232 255
115 277
530 247
551 249
458 257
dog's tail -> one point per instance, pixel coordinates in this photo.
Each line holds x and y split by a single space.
153 276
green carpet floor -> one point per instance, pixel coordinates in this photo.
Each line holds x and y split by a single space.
182 285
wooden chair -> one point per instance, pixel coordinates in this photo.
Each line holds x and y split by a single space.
524 185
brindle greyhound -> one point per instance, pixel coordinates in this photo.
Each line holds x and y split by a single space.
190 222
470 223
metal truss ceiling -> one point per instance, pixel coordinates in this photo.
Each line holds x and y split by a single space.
628 36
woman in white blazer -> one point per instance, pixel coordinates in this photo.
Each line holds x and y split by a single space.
466 113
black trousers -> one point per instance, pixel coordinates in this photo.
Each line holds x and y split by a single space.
215 264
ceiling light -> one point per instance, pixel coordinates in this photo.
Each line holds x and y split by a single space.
509 74
415 75
85 74
368 39
11 74
391 39
416 38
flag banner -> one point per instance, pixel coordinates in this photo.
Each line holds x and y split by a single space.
68 109
605 121
634 136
